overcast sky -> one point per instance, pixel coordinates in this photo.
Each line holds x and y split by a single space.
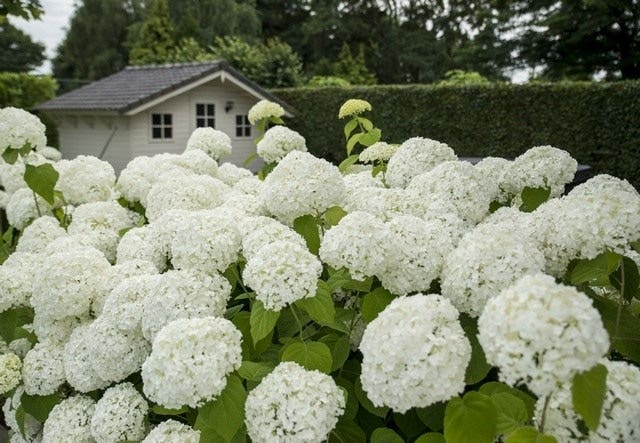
50 29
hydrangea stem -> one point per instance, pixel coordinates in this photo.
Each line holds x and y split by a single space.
544 414
295 315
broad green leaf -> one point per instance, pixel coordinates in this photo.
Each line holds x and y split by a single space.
262 321
10 155
370 137
353 140
42 180
433 416
529 434
588 391
409 424
333 215
320 307
358 285
378 169
347 431
254 371
250 159
20 416
512 412
276 120
494 387
307 227
39 406
347 163
478 367
11 320
309 354
340 349
224 414
161 410
626 279
366 123
596 271
266 170
431 437
533 197
375 302
624 332
378 411
351 407
385 435
349 127
470 419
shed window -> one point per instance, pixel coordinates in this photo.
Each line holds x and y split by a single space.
161 126
243 127
205 115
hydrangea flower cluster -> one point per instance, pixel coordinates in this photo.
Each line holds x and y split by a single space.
10 372
293 404
43 368
353 107
416 156
264 109
216 144
277 142
541 333
85 179
172 431
377 152
119 415
415 353
70 420
19 127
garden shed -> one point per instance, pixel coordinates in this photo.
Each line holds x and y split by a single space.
146 110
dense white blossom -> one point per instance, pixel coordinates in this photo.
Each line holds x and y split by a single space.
415 353
78 361
372 199
416 156
281 273
16 279
487 260
119 415
43 368
58 331
39 234
264 230
32 427
377 152
620 411
541 333
67 282
231 174
190 360
184 191
301 184
496 170
166 227
264 109
244 204
208 241
136 179
124 304
172 431
117 274
362 179
19 127
12 176
293 404
216 144
85 179
70 421
277 142
359 242
50 153
142 243
181 295
25 206
20 346
10 372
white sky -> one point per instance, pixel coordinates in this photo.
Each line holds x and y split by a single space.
50 29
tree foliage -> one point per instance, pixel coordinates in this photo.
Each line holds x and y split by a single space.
18 52
27 9
155 39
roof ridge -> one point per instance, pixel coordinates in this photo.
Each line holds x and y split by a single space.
174 65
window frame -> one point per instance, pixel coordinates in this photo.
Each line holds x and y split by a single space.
165 123
245 127
207 116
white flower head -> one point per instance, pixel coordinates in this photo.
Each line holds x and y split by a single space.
70 420
301 184
377 152
496 170
264 109
292 405
117 274
39 234
119 415
78 361
124 304
57 331
25 206
231 174
50 153
416 156
415 353
19 127
142 243
281 273
214 143
541 333
16 279
32 427
172 431
43 368
85 179
190 361
277 142
10 372
261 231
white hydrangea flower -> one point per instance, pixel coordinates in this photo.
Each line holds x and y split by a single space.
374 200
359 242
10 372
142 243
293 404
459 183
277 142
541 167
50 153
43 368
25 206
264 109
190 361
19 127
496 169
415 353
78 361
364 179
191 162
32 427
67 282
39 234
377 152
417 249
70 421
136 179
416 156
116 275
216 144
20 346
120 415
183 294
281 273
231 174
620 411
57 331
246 205
487 260
166 227
263 231
172 431
208 241
301 184
12 176
541 333
182 191
85 179
16 279
124 303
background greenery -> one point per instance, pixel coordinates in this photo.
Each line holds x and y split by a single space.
598 123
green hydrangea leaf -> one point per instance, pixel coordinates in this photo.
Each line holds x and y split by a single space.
42 180
470 419
375 302
310 354
224 414
588 391
262 321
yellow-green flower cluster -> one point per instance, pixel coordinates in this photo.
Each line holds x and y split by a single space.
379 151
353 107
10 372
264 109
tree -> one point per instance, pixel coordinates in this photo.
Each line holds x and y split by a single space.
155 40
18 52
353 69
27 9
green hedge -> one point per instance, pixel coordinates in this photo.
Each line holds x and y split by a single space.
598 123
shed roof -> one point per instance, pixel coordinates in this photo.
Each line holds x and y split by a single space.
136 85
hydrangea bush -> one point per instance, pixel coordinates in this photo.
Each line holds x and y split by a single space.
405 295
